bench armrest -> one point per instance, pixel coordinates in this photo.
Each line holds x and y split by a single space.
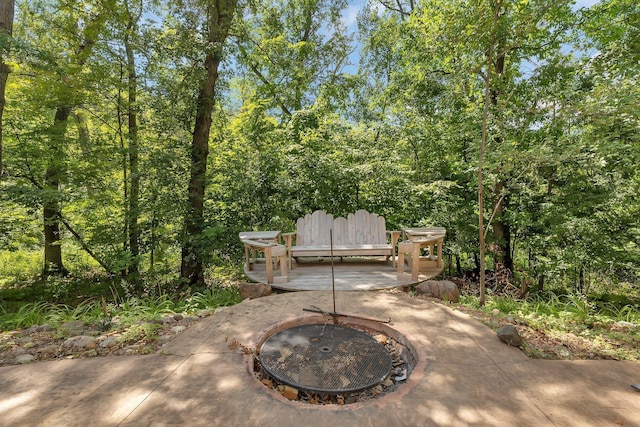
258 243
394 235
288 239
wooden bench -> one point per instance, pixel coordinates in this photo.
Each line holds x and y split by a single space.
360 234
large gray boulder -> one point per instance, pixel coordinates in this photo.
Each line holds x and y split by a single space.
440 289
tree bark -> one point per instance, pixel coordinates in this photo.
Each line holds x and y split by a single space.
51 205
219 17
7 8
501 228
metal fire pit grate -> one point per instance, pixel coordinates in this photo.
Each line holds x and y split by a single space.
325 358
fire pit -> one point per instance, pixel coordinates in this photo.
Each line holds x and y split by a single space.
325 358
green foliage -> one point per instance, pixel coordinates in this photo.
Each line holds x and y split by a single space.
293 132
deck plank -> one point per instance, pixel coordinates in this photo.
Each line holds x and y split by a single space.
349 275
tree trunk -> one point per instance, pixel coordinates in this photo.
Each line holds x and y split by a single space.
219 16
488 95
501 230
7 8
55 168
51 205
133 211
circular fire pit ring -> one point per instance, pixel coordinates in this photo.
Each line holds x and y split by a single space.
325 358
292 356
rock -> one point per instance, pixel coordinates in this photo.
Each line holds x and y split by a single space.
32 329
179 329
75 326
164 338
23 340
495 312
191 319
50 350
25 358
254 290
168 319
508 334
108 342
45 328
441 289
205 313
290 392
178 316
130 350
82 342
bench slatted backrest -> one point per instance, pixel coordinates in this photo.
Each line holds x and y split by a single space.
361 228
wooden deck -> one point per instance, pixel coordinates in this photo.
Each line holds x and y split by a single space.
351 274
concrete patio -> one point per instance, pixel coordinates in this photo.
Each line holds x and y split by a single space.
465 376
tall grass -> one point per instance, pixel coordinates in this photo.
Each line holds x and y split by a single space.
552 309
127 311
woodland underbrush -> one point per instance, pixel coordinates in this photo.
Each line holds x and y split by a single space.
556 323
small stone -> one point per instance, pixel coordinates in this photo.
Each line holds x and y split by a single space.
508 334
130 350
191 319
108 342
83 342
45 328
164 338
29 345
23 340
168 319
380 338
267 382
387 383
50 350
495 312
178 329
254 290
75 326
178 316
290 392
205 313
23 359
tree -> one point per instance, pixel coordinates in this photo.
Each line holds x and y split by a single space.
219 17
6 30
290 49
